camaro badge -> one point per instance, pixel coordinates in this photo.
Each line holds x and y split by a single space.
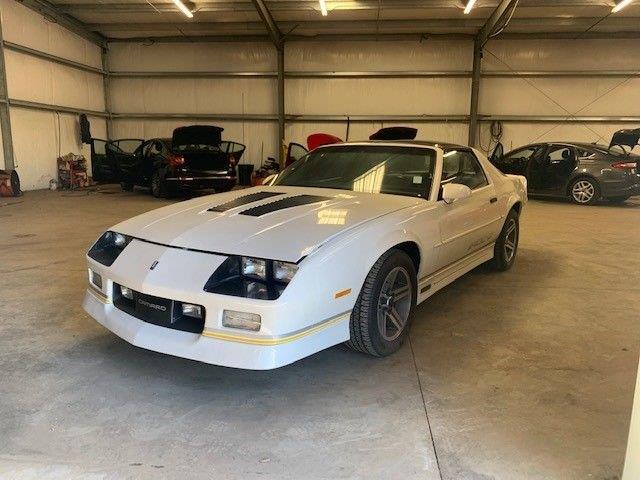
153 265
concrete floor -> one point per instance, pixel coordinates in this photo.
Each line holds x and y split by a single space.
525 374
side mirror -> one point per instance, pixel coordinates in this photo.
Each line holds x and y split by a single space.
270 179
454 191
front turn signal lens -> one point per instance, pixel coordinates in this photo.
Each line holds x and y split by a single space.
241 320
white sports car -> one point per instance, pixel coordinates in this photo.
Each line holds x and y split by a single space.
340 247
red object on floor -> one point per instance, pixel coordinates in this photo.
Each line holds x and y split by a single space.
316 140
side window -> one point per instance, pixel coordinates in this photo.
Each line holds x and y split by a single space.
463 168
560 154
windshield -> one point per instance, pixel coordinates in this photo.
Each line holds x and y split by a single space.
365 168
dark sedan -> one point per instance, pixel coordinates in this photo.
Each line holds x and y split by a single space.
582 172
195 158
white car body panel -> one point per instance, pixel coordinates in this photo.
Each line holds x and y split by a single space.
335 243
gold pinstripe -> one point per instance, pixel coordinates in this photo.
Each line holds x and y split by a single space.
270 341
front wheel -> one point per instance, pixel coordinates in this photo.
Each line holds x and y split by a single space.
382 315
584 191
506 247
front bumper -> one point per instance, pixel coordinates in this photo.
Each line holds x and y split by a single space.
228 350
290 330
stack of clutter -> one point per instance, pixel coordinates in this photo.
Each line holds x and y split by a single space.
72 172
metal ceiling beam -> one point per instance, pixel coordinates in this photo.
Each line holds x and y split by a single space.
269 22
372 27
496 20
51 12
356 37
142 6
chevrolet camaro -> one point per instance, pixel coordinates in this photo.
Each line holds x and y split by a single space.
340 247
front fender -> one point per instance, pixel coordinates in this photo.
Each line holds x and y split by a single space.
344 262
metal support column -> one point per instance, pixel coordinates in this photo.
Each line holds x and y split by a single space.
278 41
106 78
5 118
281 110
475 92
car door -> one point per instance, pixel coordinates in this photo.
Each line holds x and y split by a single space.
102 169
471 223
152 156
516 162
536 170
295 152
560 164
123 155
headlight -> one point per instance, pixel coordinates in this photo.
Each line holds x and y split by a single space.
283 271
253 267
108 247
251 278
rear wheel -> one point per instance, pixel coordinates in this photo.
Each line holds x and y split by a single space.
584 191
382 315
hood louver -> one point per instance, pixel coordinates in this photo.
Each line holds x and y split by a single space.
284 203
243 200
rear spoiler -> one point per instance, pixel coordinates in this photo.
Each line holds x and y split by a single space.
625 138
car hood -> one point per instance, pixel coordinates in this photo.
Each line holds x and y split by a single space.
278 230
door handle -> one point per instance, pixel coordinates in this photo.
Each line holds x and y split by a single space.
493 200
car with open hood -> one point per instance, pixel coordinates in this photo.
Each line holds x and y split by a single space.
340 247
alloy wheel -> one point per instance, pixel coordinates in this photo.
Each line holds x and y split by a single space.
510 240
583 191
394 303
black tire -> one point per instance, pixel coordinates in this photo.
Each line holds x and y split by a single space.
159 184
126 186
588 195
503 255
366 336
617 199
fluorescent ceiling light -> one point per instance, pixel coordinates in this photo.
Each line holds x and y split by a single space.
323 8
620 5
183 8
470 4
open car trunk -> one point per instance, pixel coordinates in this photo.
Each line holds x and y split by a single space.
203 150
625 138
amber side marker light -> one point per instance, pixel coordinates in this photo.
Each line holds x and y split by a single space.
343 293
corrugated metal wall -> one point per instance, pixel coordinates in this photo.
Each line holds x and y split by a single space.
502 96
563 96
196 95
39 137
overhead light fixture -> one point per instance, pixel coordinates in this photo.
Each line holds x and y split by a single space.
469 6
183 8
620 5
323 8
